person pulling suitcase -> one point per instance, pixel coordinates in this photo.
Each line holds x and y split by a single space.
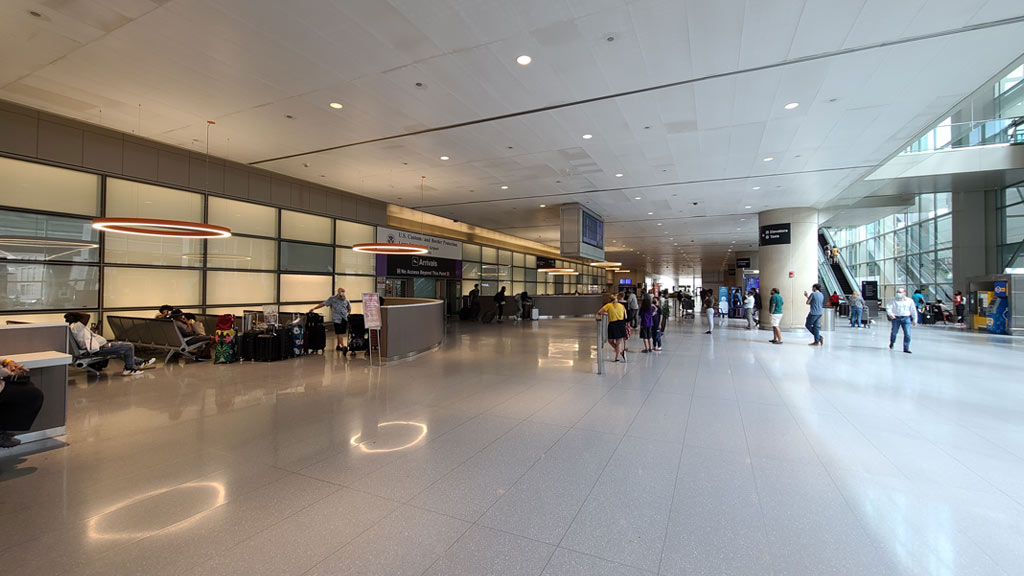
340 309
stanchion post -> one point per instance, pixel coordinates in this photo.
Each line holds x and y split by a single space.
602 338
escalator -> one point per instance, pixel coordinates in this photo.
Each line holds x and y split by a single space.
845 282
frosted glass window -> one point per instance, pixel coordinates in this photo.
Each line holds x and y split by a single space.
467 287
54 318
40 187
241 253
38 286
137 287
470 270
471 252
518 274
134 199
349 233
302 288
243 217
306 227
355 286
489 255
26 236
518 260
517 288
531 275
531 261
351 262
505 257
297 257
128 249
240 288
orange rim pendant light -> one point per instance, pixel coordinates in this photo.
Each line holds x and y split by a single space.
160 228
390 248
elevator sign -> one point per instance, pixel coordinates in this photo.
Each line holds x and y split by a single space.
774 235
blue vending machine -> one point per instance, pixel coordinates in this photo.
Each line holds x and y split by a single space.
999 310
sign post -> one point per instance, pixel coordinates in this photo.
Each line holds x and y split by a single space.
372 320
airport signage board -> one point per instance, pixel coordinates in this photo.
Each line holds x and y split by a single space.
775 235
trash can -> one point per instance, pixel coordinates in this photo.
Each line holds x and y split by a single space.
828 319
535 314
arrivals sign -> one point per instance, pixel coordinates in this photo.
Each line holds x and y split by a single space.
371 310
439 247
423 266
774 235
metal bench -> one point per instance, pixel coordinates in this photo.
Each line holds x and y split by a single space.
153 333
91 363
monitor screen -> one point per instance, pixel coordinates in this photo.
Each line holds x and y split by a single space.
625 280
593 231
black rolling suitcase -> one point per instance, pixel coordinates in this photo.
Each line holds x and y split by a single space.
315 335
268 348
247 346
286 341
488 317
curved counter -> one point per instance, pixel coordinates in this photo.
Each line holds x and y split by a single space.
567 305
410 326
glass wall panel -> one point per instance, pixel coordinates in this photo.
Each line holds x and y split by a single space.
156 251
944 232
505 257
470 270
137 287
349 233
127 199
519 259
39 286
471 252
531 261
40 187
944 266
297 257
27 236
349 261
223 288
306 227
302 288
355 286
241 253
927 237
489 255
531 274
51 318
243 217
518 274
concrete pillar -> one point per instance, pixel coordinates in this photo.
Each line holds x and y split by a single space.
974 236
790 267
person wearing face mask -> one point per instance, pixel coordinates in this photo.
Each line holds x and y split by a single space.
903 314
340 309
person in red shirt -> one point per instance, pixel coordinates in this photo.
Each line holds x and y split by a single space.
833 301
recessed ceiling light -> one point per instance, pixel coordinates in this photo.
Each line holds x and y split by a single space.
650 213
756 188
524 60
747 207
737 228
791 105
444 158
636 198
336 105
588 136
543 205
767 159
619 175
504 187
659 223
743 219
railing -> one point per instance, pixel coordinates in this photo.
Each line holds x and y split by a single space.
969 134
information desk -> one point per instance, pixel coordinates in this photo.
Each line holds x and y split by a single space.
565 306
43 349
410 326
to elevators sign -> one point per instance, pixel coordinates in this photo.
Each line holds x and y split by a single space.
371 310
774 235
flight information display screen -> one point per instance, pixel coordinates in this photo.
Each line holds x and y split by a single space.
593 231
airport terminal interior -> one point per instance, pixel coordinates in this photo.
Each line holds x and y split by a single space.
338 287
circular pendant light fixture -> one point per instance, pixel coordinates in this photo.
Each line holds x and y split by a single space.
390 248
160 228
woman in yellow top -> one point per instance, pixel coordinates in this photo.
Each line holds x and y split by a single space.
616 314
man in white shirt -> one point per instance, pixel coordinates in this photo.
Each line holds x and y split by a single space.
903 314
748 309
92 343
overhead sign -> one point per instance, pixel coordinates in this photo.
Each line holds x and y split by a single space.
743 262
422 266
774 235
371 310
439 247
543 262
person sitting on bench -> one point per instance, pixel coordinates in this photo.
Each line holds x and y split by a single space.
20 402
193 331
92 343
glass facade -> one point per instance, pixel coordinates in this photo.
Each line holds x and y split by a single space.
1010 216
912 248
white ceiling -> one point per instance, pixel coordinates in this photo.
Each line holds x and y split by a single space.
163 68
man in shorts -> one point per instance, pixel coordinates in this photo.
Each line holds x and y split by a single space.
775 310
340 309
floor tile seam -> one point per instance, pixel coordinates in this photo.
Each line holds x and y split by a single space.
672 501
597 480
466 531
467 459
1008 453
557 548
861 522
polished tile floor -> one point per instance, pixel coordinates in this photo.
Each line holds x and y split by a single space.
504 453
